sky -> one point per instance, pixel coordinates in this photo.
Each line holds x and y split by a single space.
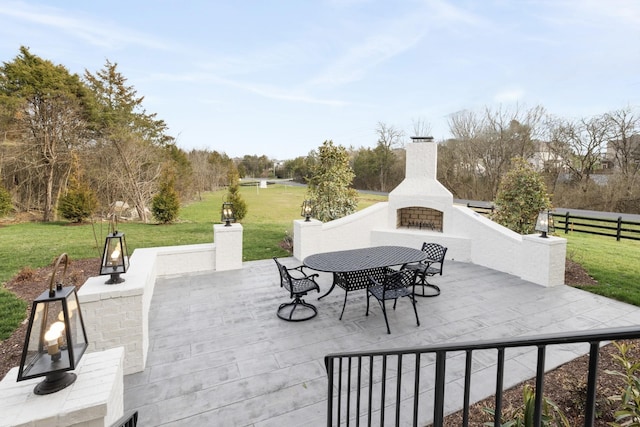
277 78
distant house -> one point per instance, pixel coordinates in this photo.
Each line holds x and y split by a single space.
612 158
544 159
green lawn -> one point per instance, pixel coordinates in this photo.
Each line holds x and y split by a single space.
615 265
271 212
270 216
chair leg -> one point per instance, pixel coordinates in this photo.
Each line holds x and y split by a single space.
413 301
368 295
384 312
422 284
294 304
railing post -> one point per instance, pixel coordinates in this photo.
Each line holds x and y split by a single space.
619 229
537 415
328 363
592 378
438 404
566 222
499 384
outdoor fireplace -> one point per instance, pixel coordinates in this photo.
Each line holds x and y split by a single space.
420 202
419 217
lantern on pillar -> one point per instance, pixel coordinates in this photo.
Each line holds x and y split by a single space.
227 214
307 209
115 257
544 223
56 338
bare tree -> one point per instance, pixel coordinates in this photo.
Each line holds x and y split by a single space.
580 143
624 144
421 127
388 138
491 138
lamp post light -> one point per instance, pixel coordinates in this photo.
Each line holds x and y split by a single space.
56 338
544 223
227 214
115 257
307 208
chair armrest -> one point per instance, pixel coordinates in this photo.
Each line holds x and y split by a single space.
301 271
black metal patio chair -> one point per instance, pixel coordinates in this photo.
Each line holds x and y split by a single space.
394 285
298 285
431 266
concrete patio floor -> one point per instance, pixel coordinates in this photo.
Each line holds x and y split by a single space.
219 356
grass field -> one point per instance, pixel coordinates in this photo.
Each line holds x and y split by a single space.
271 211
270 216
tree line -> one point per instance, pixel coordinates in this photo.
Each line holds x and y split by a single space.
89 137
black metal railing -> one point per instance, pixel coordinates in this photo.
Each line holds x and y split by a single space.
127 420
368 384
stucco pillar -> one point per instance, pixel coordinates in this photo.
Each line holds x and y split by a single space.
228 242
306 238
543 259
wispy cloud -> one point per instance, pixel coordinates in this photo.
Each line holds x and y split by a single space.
97 33
266 91
391 37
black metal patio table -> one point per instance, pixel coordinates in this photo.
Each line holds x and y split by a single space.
352 268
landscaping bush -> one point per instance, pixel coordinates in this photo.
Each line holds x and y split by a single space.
165 205
522 194
78 204
5 202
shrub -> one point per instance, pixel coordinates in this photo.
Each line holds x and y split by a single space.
522 194
523 416
5 202
165 205
78 204
629 412
233 195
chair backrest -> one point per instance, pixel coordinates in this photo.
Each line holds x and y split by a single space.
285 277
399 279
435 254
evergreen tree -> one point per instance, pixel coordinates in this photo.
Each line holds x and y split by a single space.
329 185
5 202
166 204
80 201
522 194
233 194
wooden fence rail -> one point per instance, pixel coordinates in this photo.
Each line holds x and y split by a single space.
618 228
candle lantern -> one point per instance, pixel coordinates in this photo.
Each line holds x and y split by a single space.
56 338
115 257
544 223
227 214
307 208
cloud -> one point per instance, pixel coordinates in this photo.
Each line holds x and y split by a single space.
96 33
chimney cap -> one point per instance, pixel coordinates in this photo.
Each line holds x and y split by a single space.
422 138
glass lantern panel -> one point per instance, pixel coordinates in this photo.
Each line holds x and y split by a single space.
47 345
76 332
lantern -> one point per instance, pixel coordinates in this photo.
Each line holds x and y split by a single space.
227 214
115 257
307 208
55 339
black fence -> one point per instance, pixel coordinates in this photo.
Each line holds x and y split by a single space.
408 385
618 228
567 222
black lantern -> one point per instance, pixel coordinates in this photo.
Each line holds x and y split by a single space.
307 208
56 338
227 214
544 223
115 257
